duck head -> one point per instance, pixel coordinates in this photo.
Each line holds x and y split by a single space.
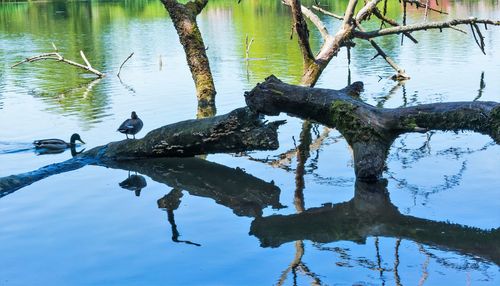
74 138
134 115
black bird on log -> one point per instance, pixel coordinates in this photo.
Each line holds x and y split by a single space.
131 126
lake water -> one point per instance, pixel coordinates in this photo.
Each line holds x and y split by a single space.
231 219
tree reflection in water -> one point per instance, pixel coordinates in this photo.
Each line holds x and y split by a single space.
369 215
169 203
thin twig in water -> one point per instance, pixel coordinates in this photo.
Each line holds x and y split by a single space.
120 70
247 47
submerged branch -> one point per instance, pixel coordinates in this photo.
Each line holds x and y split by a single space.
123 63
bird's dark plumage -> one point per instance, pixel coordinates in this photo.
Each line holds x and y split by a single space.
131 126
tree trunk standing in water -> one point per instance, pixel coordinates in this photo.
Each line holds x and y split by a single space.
184 19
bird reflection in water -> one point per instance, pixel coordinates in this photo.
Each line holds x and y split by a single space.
134 183
169 203
74 152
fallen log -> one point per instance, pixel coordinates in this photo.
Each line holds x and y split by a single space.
237 131
368 129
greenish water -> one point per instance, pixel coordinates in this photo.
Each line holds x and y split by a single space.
436 222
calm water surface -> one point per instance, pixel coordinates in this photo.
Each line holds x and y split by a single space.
223 228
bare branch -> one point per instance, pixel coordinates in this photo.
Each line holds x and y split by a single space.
366 11
423 26
85 59
458 29
120 70
419 4
316 21
55 56
328 13
479 38
330 47
349 12
401 74
392 22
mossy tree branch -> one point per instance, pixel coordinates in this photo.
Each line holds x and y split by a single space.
368 129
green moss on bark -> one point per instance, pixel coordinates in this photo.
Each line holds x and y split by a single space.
344 117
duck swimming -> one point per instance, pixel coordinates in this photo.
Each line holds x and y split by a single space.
131 126
57 144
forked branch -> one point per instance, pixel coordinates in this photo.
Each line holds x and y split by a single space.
56 56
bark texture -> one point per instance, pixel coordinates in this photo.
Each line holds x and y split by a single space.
368 129
300 27
184 19
239 130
